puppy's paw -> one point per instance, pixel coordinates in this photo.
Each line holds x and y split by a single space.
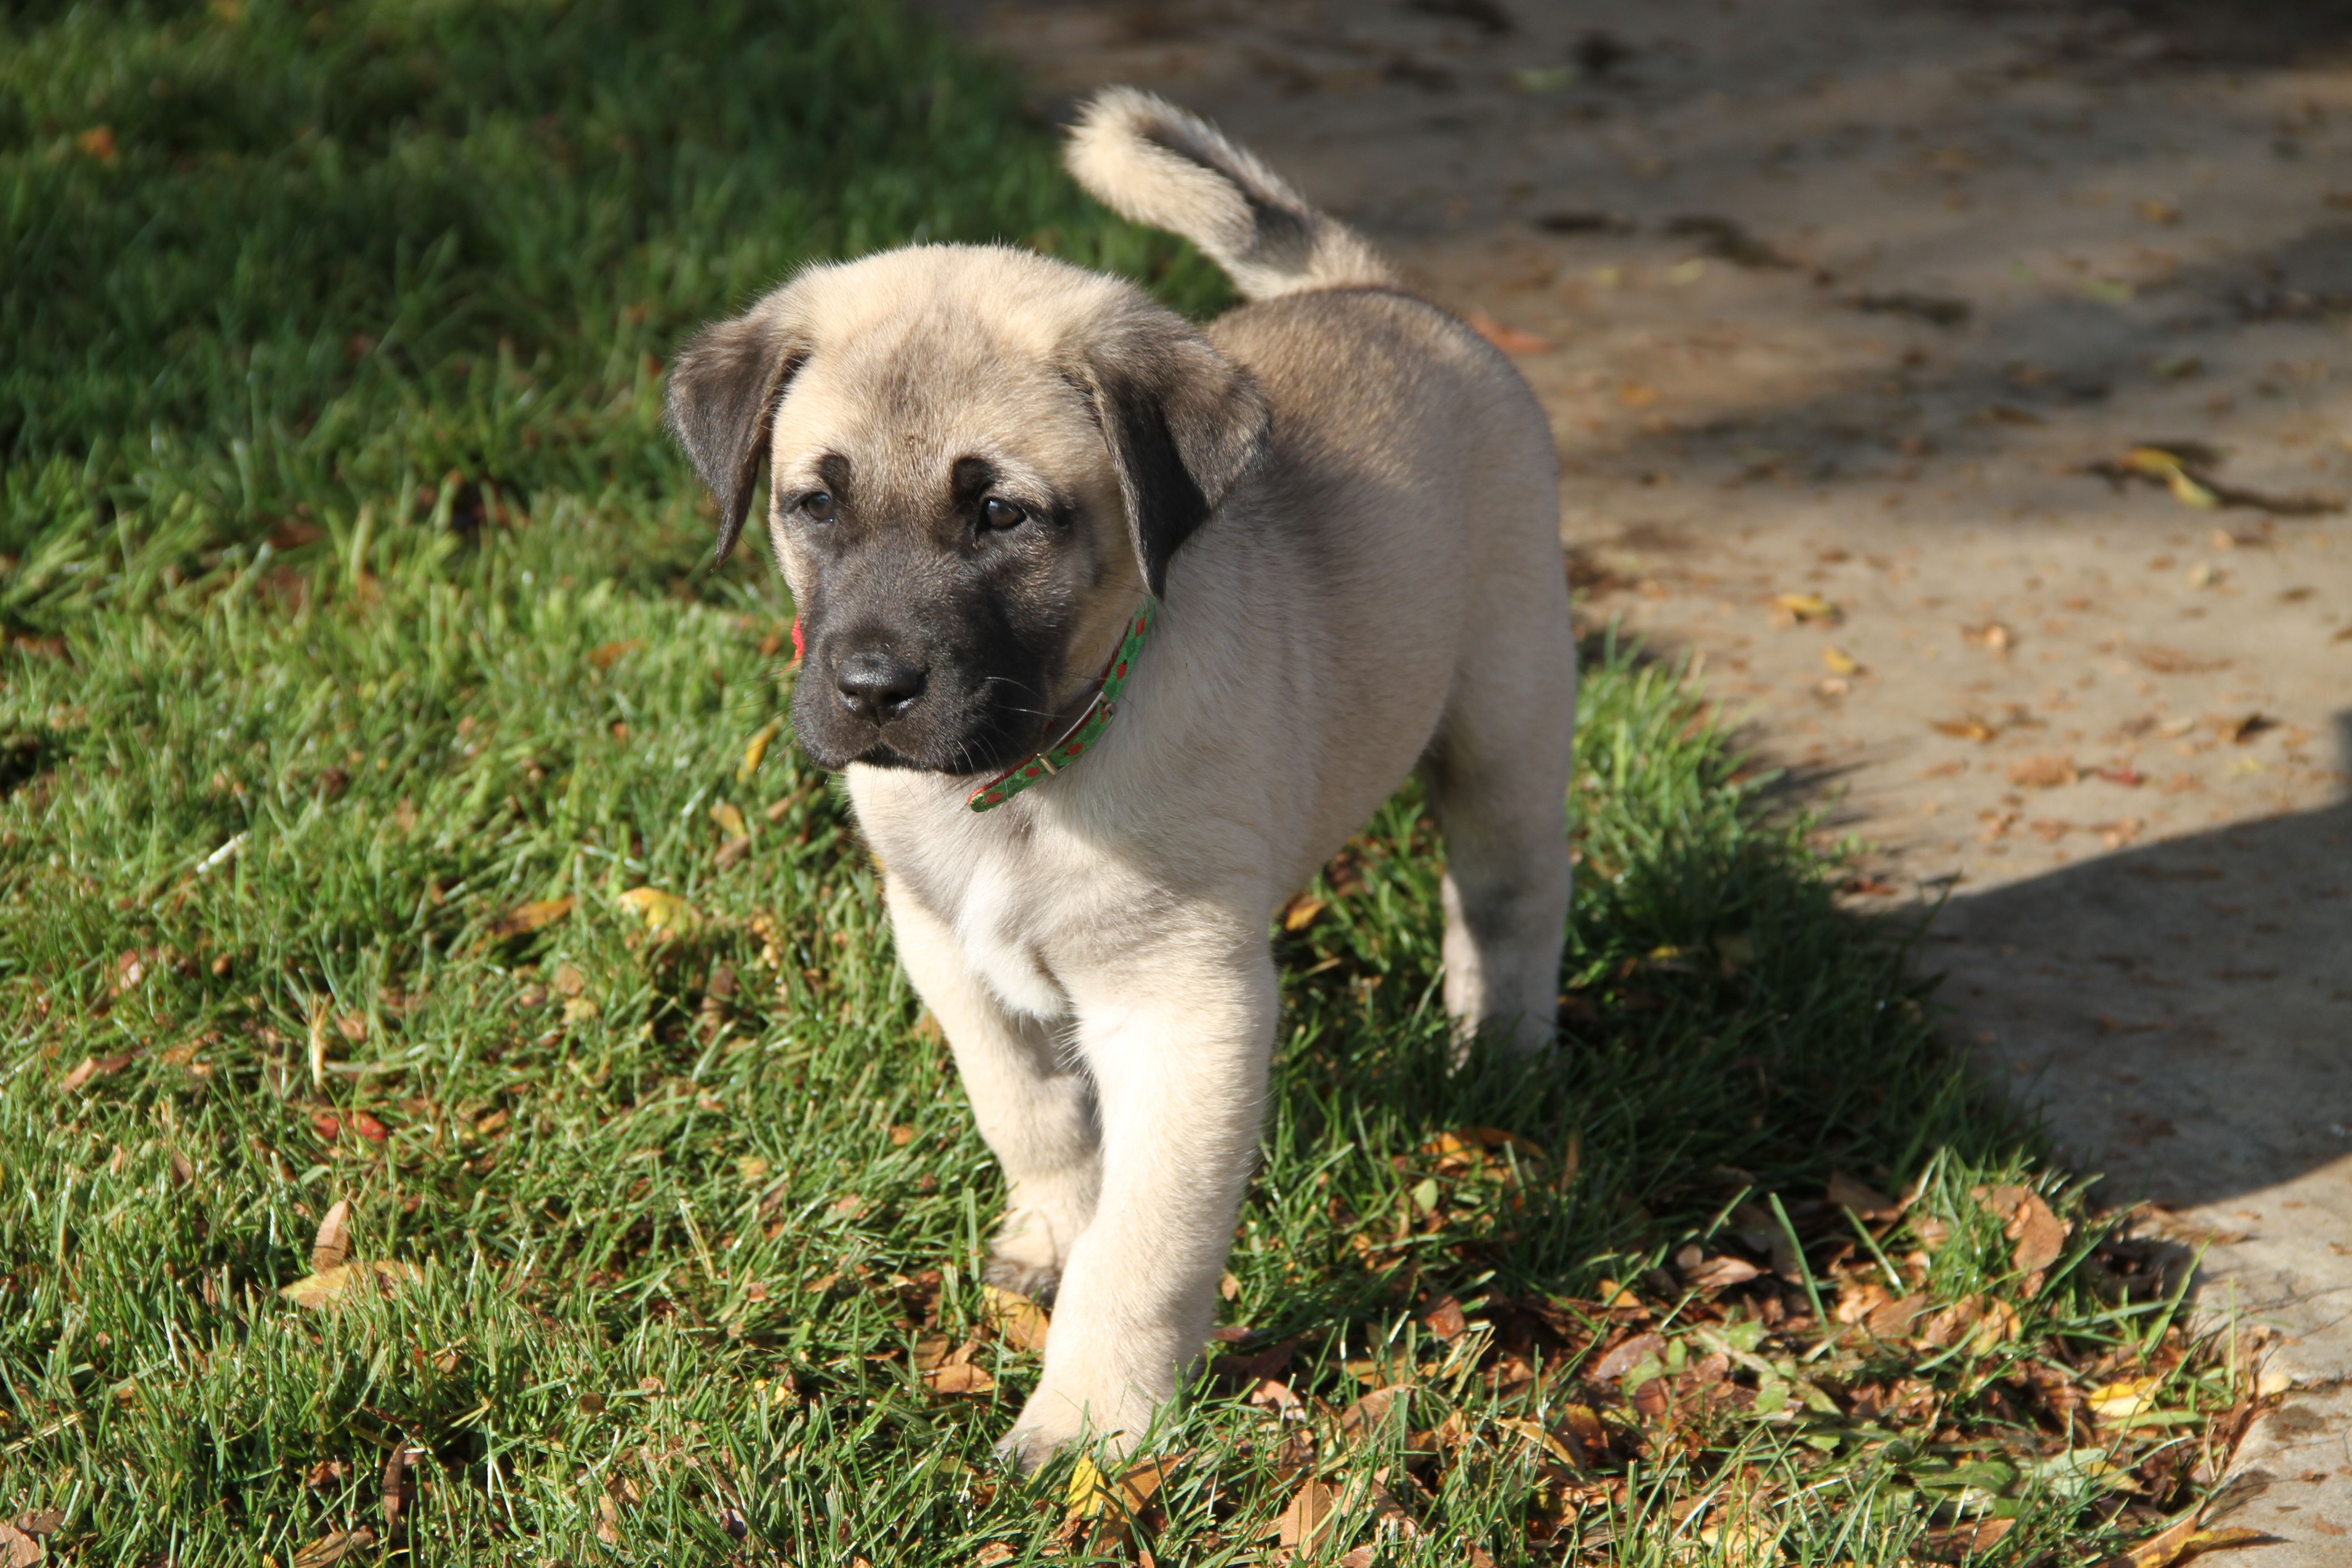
1052 1421
1025 1255
1023 1276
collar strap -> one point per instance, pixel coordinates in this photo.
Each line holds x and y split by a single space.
1080 735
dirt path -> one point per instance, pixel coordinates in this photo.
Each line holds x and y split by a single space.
1832 301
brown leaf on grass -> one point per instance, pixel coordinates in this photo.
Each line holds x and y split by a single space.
1628 1355
1445 1319
328 1287
23 1551
2027 1220
398 1490
2173 662
2043 772
41 1522
994 1553
1892 1320
956 1377
1271 1393
524 918
94 1067
1510 340
1868 1202
334 1243
333 1547
1720 1273
1962 1540
1307 1522
604 655
1018 1320
1366 1415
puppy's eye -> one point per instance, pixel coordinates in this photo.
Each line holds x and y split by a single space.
998 512
817 507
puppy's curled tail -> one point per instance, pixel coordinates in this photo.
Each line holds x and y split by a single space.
1154 163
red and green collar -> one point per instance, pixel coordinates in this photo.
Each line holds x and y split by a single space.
1085 732
1080 735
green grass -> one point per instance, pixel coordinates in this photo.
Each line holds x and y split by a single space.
346 694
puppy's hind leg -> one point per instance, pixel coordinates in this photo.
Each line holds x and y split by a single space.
1036 1110
1498 773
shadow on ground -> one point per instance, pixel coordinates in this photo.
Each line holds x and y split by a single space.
2184 1009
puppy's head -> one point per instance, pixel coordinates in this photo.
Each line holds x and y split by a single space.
977 460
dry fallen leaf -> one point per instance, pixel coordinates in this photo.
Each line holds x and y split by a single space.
2027 1220
2183 1538
1445 1318
755 750
328 1286
1839 662
661 912
604 655
958 1377
729 819
334 1239
1367 1414
94 1067
1863 1199
524 918
1300 912
2043 772
2123 1401
2173 662
23 1549
1510 340
1722 1273
1792 608
1892 1320
1090 1494
333 1547
1018 1320
1307 1523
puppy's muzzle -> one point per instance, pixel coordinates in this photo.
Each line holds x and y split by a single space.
877 685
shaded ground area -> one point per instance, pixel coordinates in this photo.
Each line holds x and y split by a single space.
1840 309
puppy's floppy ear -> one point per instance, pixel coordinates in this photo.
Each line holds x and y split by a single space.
724 393
1182 423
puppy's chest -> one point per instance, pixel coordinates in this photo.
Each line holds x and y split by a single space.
1008 906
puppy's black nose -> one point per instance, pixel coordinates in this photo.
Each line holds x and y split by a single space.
877 686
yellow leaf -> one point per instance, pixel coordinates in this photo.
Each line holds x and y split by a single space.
660 910
1018 1320
729 820
1839 662
1807 607
755 750
1091 1495
328 1286
1300 912
2123 1401
2182 1540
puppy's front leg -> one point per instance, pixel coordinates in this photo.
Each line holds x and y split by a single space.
1177 1040
1033 1108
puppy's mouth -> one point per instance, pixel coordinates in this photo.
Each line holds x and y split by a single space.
981 729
